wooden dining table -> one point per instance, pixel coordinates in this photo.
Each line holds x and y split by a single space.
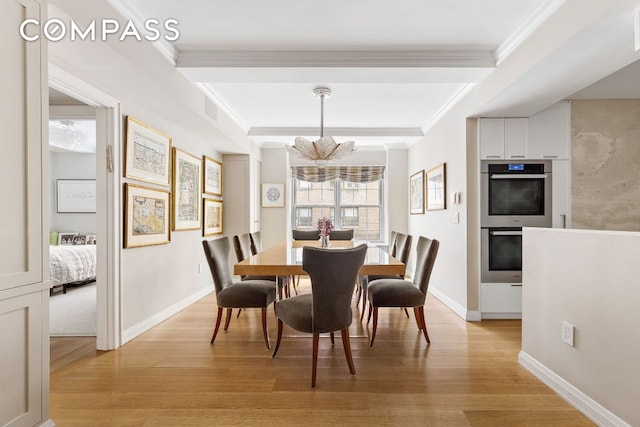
285 259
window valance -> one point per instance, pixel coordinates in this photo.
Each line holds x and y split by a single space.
346 173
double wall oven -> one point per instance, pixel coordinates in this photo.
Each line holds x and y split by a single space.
513 195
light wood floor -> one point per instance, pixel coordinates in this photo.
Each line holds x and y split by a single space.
172 376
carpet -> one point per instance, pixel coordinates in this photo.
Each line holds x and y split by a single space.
73 313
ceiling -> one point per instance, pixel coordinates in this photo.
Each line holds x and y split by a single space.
393 67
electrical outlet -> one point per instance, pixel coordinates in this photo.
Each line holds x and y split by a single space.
567 333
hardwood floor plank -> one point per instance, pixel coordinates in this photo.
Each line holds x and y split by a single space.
172 375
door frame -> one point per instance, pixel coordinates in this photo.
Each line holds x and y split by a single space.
108 210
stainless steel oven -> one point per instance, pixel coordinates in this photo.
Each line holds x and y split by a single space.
501 255
516 194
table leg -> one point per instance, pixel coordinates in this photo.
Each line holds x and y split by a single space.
364 282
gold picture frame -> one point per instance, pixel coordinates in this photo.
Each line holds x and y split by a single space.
436 184
187 191
213 217
416 193
147 213
212 176
147 153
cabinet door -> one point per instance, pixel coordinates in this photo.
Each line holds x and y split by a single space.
550 132
491 138
515 138
561 194
501 301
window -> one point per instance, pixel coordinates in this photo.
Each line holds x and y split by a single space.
359 206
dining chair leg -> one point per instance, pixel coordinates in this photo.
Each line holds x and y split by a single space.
375 326
364 284
406 312
278 339
239 311
333 338
265 331
369 315
228 319
215 330
417 316
346 343
424 323
314 363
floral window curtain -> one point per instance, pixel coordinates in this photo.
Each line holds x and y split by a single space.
346 173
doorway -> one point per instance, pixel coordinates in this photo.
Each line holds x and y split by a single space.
107 190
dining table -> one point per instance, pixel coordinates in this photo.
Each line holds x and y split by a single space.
285 260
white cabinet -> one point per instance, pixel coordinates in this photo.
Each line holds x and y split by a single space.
503 138
501 301
549 133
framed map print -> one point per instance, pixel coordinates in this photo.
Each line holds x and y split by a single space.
212 179
416 193
187 191
147 153
272 195
146 219
436 188
213 217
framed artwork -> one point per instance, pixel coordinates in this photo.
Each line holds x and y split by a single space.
212 179
147 153
80 239
91 239
146 220
66 238
272 195
76 195
416 193
213 217
436 188
187 191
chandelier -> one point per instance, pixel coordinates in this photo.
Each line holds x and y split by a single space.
324 149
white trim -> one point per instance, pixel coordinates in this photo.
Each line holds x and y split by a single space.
460 93
108 303
126 8
540 15
337 131
48 423
583 403
471 316
335 58
145 325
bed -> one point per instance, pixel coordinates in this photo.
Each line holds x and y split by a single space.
72 265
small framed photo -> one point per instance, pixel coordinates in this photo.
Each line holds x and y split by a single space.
91 239
80 239
416 193
66 238
212 179
187 191
147 153
272 195
436 188
76 195
213 217
146 216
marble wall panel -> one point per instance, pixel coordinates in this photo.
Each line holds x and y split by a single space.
605 145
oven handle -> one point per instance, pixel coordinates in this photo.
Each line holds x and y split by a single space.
506 233
519 176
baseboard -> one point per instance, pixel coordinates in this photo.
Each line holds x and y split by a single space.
501 315
48 423
472 316
583 403
145 325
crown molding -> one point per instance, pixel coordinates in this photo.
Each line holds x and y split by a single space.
448 106
126 9
539 15
337 131
325 59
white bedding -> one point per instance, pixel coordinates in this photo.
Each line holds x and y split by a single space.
69 263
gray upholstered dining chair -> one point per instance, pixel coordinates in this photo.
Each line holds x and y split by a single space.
305 234
230 294
403 293
242 245
333 274
401 251
341 235
256 242
392 243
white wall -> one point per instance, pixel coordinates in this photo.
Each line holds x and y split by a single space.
66 165
397 191
589 279
275 222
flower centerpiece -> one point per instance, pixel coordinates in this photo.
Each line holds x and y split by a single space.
324 229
